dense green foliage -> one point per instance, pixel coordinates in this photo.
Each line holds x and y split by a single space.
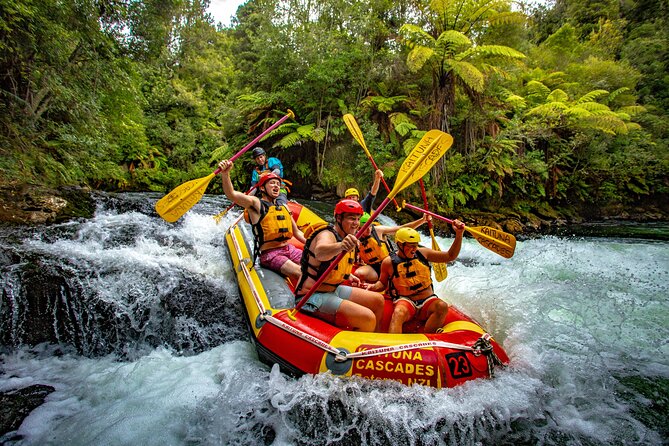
550 108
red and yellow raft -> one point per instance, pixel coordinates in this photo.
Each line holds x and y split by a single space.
301 344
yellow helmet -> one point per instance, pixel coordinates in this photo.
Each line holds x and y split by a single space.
351 191
407 235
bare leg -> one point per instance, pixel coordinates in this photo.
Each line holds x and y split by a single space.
437 312
356 316
371 300
291 270
367 274
399 317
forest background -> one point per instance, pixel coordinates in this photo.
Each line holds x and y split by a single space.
559 111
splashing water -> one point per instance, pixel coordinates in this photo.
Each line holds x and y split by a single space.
145 343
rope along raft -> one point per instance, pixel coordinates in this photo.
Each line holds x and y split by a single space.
481 347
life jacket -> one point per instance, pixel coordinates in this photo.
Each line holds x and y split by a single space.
339 273
410 276
373 250
274 225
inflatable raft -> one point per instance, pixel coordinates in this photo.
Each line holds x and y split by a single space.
301 344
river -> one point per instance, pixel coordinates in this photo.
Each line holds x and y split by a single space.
137 324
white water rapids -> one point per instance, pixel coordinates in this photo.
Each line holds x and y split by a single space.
584 321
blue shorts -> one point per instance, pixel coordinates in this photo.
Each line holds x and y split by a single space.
325 305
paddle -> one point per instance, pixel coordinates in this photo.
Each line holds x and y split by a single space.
440 271
173 205
421 159
220 215
493 239
353 127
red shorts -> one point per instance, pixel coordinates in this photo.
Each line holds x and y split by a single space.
275 258
417 306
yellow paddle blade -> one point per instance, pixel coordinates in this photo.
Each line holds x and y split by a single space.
427 152
495 240
440 271
354 128
173 205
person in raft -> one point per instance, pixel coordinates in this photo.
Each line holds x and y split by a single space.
340 305
375 246
272 222
407 275
368 202
267 165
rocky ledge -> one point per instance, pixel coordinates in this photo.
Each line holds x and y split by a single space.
26 204
16 405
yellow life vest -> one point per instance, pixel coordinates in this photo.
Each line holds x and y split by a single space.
275 224
338 274
410 276
373 250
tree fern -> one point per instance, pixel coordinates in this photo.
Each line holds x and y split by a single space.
536 88
468 74
418 56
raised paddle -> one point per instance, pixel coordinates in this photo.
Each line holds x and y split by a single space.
493 239
220 215
440 271
427 152
173 205
353 127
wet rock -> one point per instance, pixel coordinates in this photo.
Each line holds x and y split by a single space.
30 205
17 405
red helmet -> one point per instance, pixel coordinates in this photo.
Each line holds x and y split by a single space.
348 206
265 177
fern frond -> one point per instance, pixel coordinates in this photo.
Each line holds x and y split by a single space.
558 95
498 51
305 130
592 96
414 35
452 42
551 109
289 140
468 74
614 94
537 88
608 124
577 112
632 126
508 18
516 101
594 106
418 57
632 110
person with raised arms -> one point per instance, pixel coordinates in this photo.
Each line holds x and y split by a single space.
272 222
407 275
368 202
375 246
340 305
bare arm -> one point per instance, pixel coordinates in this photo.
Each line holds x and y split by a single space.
297 233
383 231
453 251
239 198
326 246
386 270
378 174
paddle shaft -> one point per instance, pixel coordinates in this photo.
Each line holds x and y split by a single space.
225 211
258 138
422 192
357 135
425 211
